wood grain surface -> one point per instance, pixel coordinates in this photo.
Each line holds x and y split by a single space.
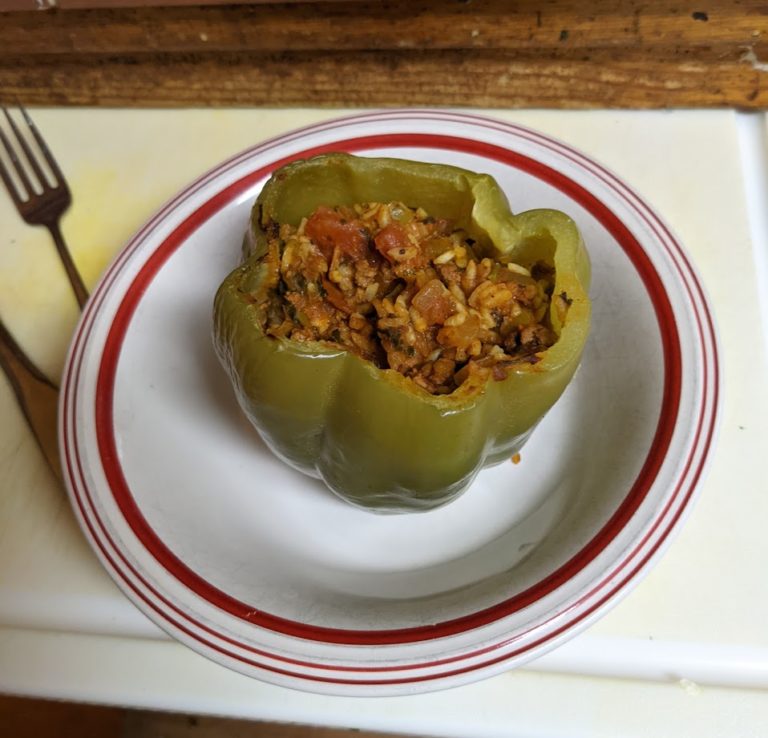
487 53
22 717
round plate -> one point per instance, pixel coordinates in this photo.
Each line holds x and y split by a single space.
264 570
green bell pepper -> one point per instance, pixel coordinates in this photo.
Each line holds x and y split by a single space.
372 435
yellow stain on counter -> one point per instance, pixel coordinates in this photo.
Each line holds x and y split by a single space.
104 214
36 300
91 229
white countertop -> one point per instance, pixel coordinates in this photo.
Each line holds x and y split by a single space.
686 653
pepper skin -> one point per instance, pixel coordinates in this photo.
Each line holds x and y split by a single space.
373 436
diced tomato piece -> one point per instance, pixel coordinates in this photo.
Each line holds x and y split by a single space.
328 228
391 237
434 302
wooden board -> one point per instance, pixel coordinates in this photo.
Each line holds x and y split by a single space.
487 53
32 718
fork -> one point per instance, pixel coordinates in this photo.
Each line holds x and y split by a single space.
37 396
46 207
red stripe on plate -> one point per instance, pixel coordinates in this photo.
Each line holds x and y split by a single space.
203 588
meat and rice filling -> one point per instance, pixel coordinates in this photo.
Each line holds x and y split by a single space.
408 292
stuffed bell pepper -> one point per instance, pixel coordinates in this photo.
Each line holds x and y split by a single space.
394 328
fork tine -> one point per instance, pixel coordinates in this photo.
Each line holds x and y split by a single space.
58 176
10 186
16 163
31 158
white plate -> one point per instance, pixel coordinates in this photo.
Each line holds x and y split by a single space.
262 569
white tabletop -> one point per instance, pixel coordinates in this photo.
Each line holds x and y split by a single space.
686 653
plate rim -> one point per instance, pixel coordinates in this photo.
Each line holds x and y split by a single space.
92 312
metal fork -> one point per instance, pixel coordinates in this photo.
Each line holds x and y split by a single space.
36 394
43 208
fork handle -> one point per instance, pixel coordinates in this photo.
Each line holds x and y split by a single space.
37 396
69 266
